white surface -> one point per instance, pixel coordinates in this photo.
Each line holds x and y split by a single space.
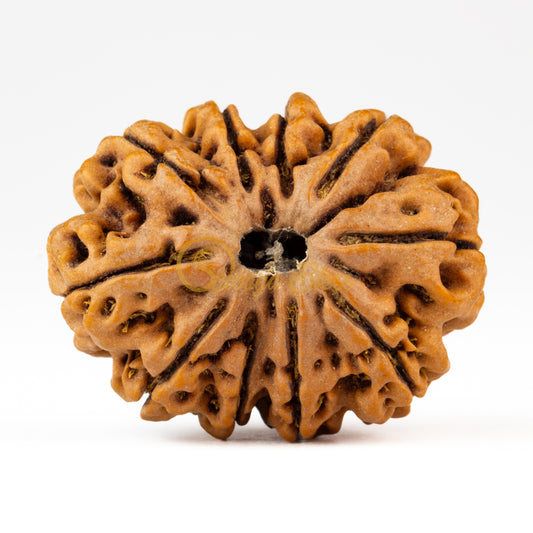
74 456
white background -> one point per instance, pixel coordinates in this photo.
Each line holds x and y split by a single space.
73 455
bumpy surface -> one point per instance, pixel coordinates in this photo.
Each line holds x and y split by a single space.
303 268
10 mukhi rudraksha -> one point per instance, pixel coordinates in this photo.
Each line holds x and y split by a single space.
303 268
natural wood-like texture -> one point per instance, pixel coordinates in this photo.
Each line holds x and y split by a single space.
151 276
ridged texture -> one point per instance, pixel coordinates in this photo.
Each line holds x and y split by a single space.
151 273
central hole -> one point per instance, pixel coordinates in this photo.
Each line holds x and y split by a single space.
273 251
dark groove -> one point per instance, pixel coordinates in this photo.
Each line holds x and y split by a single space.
245 172
292 340
231 134
243 167
328 136
420 292
392 353
81 251
213 357
360 199
354 201
184 352
410 170
168 324
335 360
340 301
137 317
249 339
285 172
403 238
465 245
108 160
135 201
269 209
182 217
392 238
263 404
337 168
331 339
355 382
269 367
368 279
400 311
170 257
161 159
271 303
390 178
113 220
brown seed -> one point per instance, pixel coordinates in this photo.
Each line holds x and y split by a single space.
290 268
